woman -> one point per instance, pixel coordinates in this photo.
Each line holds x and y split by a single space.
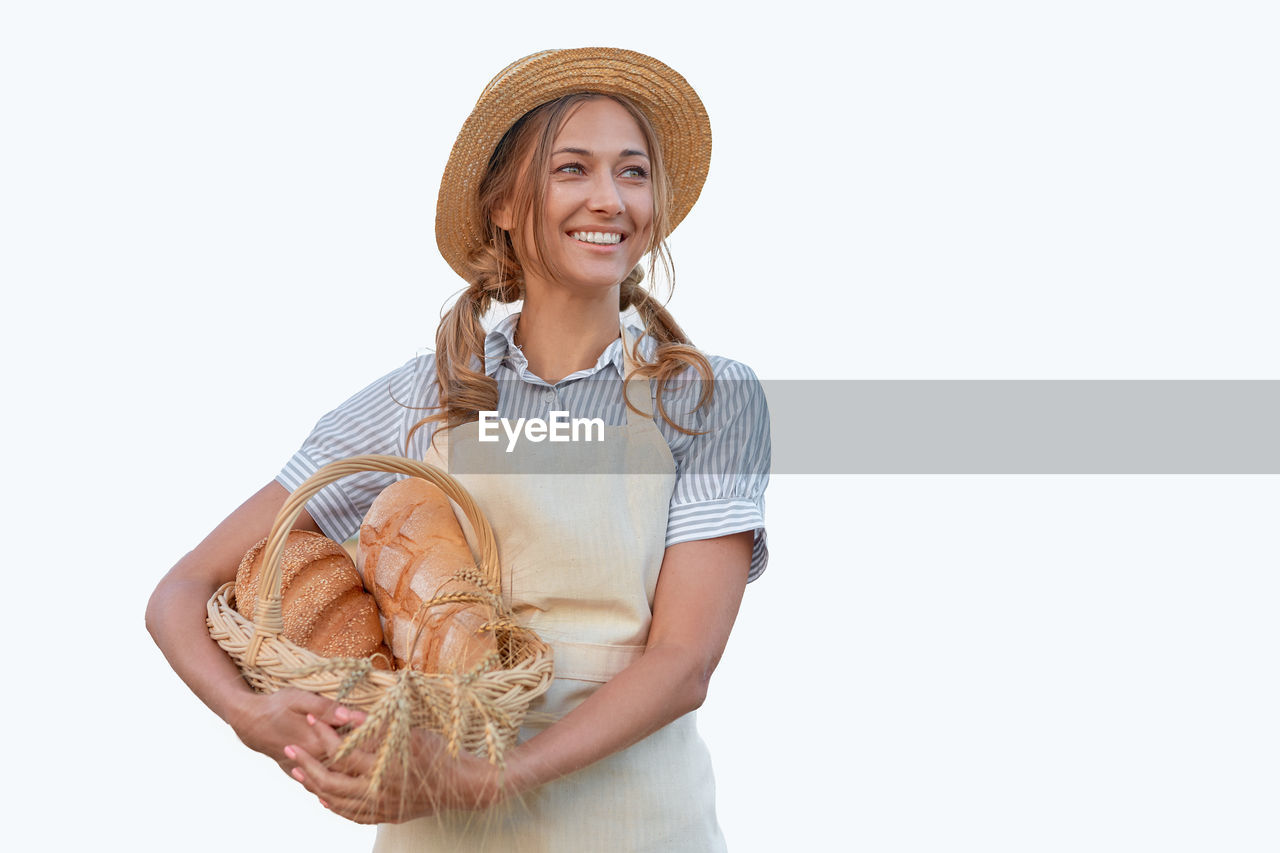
555 190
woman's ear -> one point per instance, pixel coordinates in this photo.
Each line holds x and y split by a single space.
502 216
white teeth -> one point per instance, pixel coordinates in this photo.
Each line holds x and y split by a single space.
602 237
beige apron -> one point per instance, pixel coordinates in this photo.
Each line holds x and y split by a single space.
580 555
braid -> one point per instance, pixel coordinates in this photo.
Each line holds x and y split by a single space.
464 391
675 352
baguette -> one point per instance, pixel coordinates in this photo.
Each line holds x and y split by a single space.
411 545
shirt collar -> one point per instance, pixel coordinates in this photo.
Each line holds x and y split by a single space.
500 346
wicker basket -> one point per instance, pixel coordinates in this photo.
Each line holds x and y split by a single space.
479 712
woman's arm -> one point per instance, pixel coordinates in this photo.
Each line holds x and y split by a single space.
696 602
176 617
699 591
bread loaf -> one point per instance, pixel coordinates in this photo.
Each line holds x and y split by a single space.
326 607
410 547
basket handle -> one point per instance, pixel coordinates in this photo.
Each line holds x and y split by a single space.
269 612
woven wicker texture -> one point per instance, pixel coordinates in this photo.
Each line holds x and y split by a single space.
478 712
671 104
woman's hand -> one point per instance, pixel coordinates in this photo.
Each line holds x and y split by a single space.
430 780
269 723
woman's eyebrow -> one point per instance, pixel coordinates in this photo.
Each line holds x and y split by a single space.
582 152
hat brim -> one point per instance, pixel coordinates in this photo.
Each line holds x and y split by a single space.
670 103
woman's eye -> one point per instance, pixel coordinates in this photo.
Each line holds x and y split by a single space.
572 169
635 172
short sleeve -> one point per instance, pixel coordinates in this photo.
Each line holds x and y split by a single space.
721 474
374 420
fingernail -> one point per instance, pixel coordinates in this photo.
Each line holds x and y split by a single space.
298 774
342 714
290 752
311 718
323 803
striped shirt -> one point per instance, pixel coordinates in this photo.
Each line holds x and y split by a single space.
721 473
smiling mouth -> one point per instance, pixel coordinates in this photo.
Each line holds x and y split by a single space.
599 238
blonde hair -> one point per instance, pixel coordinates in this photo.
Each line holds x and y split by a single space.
496 275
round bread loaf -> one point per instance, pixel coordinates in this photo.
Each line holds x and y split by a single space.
411 545
326 607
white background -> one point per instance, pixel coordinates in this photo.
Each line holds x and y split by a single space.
216 222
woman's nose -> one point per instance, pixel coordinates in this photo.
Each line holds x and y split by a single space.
604 197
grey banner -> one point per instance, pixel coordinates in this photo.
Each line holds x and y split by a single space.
1025 427
944 427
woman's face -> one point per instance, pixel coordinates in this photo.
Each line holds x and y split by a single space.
597 222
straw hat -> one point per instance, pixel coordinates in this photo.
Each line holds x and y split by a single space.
672 106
